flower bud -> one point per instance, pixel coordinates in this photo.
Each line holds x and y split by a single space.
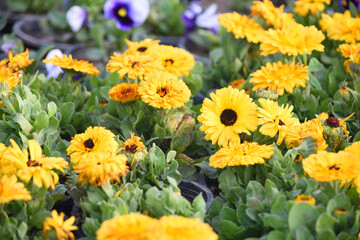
267 94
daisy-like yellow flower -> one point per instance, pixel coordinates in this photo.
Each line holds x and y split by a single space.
347 49
141 47
79 66
353 58
163 90
94 139
242 26
18 61
354 148
274 16
99 167
182 228
305 198
293 39
61 227
341 26
328 166
133 144
124 92
279 77
38 168
241 154
8 79
175 61
133 226
11 189
135 66
275 119
228 113
303 7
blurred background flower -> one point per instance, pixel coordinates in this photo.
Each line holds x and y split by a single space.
127 13
53 70
76 17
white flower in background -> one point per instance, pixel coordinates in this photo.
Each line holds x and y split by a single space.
76 17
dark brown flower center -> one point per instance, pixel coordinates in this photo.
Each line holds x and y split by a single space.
332 122
131 148
281 123
141 49
163 91
334 167
169 62
33 163
89 143
228 117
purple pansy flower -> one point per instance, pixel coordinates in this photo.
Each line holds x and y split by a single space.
76 17
53 70
196 16
6 47
127 13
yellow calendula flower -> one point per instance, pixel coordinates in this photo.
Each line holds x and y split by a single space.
124 92
328 166
134 66
175 61
274 16
227 113
293 39
63 228
163 90
303 7
242 26
79 66
141 47
8 79
354 148
11 189
38 168
341 26
347 49
354 58
133 226
182 228
275 119
18 61
305 198
94 139
133 144
100 167
241 154
279 77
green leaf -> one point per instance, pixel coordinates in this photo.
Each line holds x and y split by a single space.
157 157
315 65
21 230
231 230
170 156
52 108
256 190
37 218
227 213
41 121
276 235
229 185
25 125
159 131
67 110
327 235
275 222
325 222
302 214
302 233
314 81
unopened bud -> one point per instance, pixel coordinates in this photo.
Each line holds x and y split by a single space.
267 94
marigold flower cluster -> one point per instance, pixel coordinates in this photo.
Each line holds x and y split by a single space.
95 157
140 226
158 67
